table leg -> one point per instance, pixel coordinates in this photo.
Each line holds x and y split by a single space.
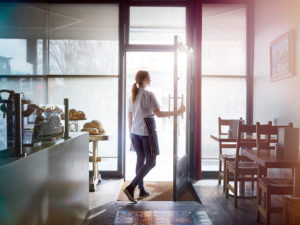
297 182
95 176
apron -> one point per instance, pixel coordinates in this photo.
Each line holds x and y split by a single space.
153 139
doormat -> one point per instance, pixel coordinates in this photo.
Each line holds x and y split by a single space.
162 217
160 191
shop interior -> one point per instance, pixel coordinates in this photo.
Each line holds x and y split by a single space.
66 74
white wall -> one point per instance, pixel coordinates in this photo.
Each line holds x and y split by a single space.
278 100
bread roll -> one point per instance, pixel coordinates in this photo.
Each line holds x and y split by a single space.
97 124
89 125
81 115
48 110
92 131
71 111
101 131
57 109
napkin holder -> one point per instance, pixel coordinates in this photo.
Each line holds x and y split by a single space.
233 128
288 141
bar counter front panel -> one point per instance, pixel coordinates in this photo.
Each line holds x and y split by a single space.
49 186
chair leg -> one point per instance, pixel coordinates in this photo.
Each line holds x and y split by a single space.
235 191
285 215
225 174
220 170
226 183
268 206
258 202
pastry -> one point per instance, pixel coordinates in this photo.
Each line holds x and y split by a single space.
81 115
101 131
71 111
57 109
89 125
97 124
92 131
48 110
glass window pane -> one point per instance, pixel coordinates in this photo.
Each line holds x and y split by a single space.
156 25
221 97
224 40
33 88
22 39
84 39
97 98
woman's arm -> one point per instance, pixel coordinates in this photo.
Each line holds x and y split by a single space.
159 113
130 125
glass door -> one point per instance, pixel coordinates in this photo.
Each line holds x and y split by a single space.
181 123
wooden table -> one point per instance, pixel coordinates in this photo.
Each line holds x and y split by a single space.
268 159
222 138
94 159
225 138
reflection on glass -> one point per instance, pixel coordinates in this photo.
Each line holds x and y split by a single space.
224 40
32 88
221 97
181 94
83 57
223 53
22 28
156 25
83 39
97 98
160 66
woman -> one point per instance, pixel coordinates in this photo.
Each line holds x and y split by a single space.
142 105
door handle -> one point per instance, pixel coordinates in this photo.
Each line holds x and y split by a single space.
170 103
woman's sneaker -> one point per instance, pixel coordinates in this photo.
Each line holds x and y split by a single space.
129 191
144 193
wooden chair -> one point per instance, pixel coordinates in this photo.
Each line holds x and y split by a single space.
269 186
223 157
291 205
241 171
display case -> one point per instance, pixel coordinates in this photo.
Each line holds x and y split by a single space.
24 123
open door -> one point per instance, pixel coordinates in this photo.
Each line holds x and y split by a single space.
183 59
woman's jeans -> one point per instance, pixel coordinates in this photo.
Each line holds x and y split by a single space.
143 152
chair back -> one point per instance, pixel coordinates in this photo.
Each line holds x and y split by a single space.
270 133
244 131
222 124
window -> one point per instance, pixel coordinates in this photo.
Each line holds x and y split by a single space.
156 25
22 29
223 73
83 39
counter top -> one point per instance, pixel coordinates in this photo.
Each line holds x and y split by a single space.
39 147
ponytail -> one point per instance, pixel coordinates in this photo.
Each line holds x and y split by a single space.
134 91
139 78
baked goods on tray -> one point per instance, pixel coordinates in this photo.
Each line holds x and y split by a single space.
92 126
75 115
92 131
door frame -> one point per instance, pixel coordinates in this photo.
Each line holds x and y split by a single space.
126 47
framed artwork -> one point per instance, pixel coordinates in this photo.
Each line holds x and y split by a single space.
281 56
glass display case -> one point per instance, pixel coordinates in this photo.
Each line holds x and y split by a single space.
24 123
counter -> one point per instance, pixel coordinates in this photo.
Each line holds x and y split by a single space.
48 186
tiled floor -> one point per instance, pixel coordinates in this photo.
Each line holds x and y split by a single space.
162 217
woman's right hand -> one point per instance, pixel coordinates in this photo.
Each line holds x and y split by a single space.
181 109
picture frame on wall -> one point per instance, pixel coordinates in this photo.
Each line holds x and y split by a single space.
281 57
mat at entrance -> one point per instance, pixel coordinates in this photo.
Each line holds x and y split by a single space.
160 191
162 217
